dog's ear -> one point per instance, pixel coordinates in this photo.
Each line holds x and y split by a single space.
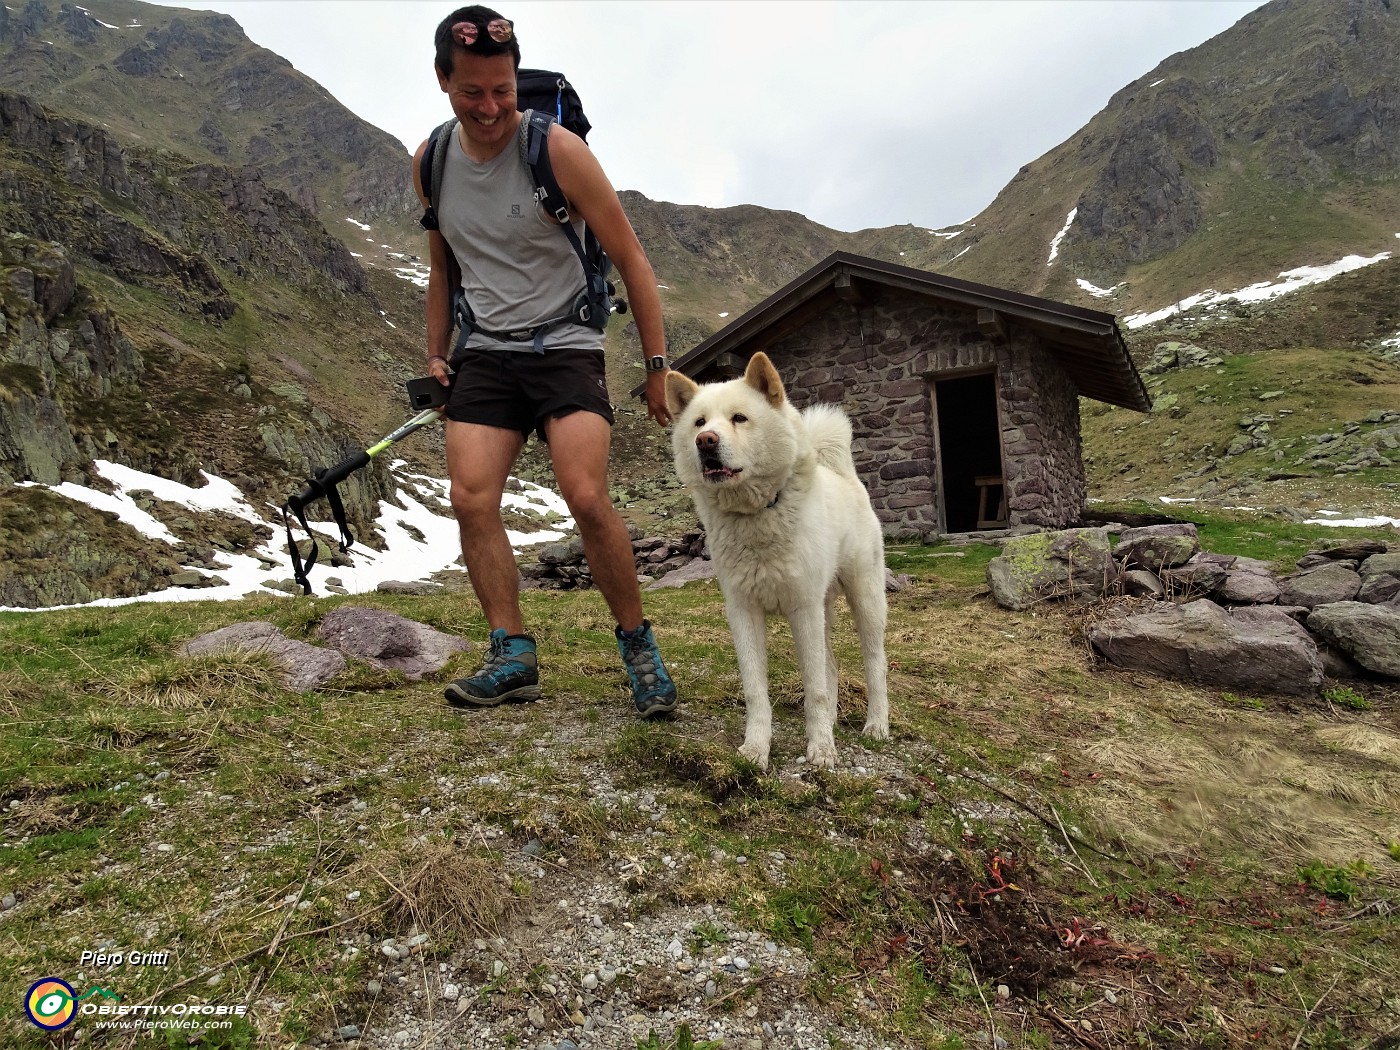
680 391
763 377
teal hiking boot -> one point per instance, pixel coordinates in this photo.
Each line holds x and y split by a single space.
653 692
510 674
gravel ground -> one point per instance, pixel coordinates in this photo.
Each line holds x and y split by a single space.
583 967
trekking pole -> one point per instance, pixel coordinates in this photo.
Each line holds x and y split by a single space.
324 482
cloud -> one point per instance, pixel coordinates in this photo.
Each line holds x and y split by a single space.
860 114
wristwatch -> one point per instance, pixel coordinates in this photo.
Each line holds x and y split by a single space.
656 363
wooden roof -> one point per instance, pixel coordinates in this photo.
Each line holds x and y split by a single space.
1086 343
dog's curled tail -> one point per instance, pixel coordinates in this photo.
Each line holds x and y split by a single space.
829 429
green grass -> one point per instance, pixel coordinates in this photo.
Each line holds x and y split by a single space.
1178 449
1025 794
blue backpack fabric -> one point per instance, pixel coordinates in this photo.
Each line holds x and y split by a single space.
548 98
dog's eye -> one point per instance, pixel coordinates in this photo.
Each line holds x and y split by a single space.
700 421
740 418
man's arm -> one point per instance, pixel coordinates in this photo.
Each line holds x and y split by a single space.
592 198
439 307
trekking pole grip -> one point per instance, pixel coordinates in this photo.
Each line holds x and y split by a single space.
342 470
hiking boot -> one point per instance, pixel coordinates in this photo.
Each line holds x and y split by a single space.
653 692
510 674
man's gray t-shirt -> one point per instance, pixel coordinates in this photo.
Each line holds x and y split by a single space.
518 268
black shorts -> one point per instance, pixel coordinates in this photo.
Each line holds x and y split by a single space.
520 390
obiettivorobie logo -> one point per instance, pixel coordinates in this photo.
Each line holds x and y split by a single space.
52 1004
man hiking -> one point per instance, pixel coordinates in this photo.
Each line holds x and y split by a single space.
516 373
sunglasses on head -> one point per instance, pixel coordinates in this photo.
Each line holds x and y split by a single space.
500 30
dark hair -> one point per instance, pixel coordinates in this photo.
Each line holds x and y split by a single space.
483 45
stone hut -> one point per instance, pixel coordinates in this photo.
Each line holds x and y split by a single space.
964 397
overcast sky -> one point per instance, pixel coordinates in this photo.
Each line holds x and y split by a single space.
856 114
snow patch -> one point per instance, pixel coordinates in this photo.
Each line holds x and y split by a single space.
425 513
1291 281
1352 523
1055 244
1101 293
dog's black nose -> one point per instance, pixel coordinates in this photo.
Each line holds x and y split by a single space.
707 442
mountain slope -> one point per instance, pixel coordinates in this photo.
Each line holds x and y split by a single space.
192 82
179 315
1270 146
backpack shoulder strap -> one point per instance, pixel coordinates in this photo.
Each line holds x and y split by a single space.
535 153
430 168
536 146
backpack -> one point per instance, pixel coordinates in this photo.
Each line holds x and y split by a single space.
548 98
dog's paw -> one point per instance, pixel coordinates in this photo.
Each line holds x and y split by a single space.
755 753
876 730
822 754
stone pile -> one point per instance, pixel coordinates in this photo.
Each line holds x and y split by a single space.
1219 619
562 566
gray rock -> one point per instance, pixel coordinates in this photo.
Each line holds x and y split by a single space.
1262 650
1041 565
1368 634
1247 587
1202 573
409 587
388 640
1158 546
1353 549
1381 565
698 569
1378 589
1140 583
304 667
896 583
1318 559
1332 582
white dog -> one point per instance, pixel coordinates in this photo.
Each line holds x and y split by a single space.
789 524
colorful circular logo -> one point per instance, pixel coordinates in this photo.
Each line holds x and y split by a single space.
51 1003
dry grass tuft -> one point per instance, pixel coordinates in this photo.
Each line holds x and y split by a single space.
16 690
445 892
213 680
1366 741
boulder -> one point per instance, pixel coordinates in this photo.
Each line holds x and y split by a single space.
1368 634
1041 565
1203 573
1316 560
1352 549
1254 649
697 569
1381 565
1333 582
1378 589
1247 587
1158 547
304 667
1139 583
389 641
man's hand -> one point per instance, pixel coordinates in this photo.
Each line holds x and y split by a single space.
656 397
437 368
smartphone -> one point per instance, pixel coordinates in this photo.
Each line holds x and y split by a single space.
426 393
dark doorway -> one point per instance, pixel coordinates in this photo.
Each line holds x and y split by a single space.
969 452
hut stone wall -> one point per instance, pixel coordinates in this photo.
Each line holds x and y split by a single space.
878 361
